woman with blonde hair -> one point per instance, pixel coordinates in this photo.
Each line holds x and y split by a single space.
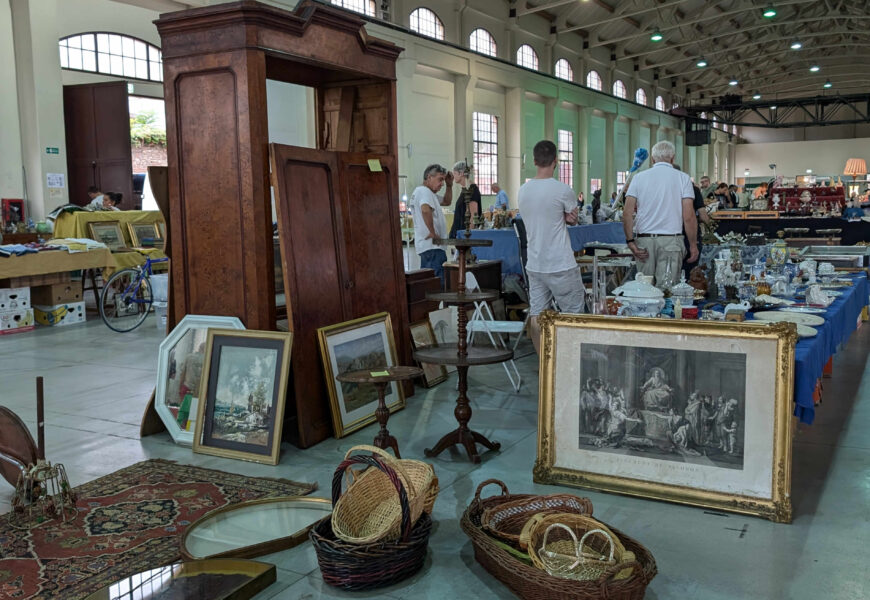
468 200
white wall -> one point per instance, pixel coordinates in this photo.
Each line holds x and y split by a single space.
11 176
826 157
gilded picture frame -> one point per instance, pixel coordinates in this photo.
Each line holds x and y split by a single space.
140 231
422 335
243 391
693 412
109 233
362 343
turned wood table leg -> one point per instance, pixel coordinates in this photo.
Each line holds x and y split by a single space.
384 440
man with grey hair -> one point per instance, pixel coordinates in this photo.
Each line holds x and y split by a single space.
658 207
430 226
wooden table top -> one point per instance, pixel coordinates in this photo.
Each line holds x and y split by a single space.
376 375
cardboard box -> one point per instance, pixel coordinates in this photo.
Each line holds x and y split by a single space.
34 280
14 299
59 293
15 321
59 315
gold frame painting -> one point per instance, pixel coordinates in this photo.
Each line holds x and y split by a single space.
694 412
359 344
133 228
251 432
95 226
422 335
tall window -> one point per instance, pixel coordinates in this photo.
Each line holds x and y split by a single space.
484 134
111 54
425 22
593 80
640 96
566 157
594 184
482 41
660 103
619 89
621 177
527 57
366 7
563 70
715 122
734 128
716 167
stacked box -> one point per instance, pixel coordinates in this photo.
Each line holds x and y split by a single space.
16 314
33 280
58 293
59 315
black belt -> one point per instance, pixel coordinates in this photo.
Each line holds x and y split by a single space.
654 235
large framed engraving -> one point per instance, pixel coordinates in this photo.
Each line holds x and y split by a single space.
686 411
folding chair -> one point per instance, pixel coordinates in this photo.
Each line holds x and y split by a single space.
482 320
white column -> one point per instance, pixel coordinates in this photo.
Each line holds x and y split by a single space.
633 138
405 69
463 107
550 119
513 103
582 151
40 101
653 136
711 151
609 183
11 173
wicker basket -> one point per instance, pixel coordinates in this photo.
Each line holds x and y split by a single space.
575 547
369 511
506 521
531 583
368 566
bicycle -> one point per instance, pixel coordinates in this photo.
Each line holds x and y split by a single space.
126 298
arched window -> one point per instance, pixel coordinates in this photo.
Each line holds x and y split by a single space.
482 41
111 54
527 57
593 80
734 129
425 22
715 124
619 89
660 103
703 115
366 7
640 96
563 70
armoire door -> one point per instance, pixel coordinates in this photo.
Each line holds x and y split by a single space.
97 121
310 225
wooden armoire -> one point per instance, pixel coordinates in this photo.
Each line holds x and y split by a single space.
337 212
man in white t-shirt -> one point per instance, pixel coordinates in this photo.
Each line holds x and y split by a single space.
663 199
430 226
548 207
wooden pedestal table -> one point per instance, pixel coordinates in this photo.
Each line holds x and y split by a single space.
462 356
381 378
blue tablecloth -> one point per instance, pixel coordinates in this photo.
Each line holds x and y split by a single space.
505 246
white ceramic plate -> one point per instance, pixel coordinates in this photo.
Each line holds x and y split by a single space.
790 317
806 332
804 309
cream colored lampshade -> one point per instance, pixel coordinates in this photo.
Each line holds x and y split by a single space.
855 167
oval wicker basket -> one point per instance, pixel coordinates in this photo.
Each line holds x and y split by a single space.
531 583
370 511
506 521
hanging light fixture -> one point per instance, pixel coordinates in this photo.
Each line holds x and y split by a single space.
815 69
656 35
769 12
733 82
773 107
702 62
796 45
828 84
756 96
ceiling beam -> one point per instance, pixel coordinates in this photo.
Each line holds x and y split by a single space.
824 73
629 13
528 9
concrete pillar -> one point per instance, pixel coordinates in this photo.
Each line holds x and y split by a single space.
513 120
633 138
405 69
40 102
11 173
581 182
550 119
653 136
463 109
609 183
687 162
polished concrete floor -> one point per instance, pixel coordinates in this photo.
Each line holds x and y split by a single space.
97 383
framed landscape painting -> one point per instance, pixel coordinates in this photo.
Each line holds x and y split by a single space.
244 385
109 233
445 327
180 362
361 344
685 411
139 232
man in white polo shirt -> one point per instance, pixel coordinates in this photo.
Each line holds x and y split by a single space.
662 198
430 226
548 207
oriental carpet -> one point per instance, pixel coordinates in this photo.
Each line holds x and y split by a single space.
126 522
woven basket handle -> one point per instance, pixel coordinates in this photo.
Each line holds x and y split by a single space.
377 463
543 553
504 490
386 457
636 568
602 532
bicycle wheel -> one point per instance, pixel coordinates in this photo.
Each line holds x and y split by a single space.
125 300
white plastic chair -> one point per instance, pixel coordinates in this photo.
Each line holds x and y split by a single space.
482 320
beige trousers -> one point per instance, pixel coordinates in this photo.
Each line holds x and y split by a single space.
665 260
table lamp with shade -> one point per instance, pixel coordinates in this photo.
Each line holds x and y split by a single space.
855 167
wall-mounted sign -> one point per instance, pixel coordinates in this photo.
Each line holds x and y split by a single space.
55 180
52 150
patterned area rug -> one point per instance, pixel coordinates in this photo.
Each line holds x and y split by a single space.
127 522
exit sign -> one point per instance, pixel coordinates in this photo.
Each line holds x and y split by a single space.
51 150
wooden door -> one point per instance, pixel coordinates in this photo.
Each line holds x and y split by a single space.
97 120
310 225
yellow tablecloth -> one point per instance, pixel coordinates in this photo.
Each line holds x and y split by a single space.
56 261
75 225
123 260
